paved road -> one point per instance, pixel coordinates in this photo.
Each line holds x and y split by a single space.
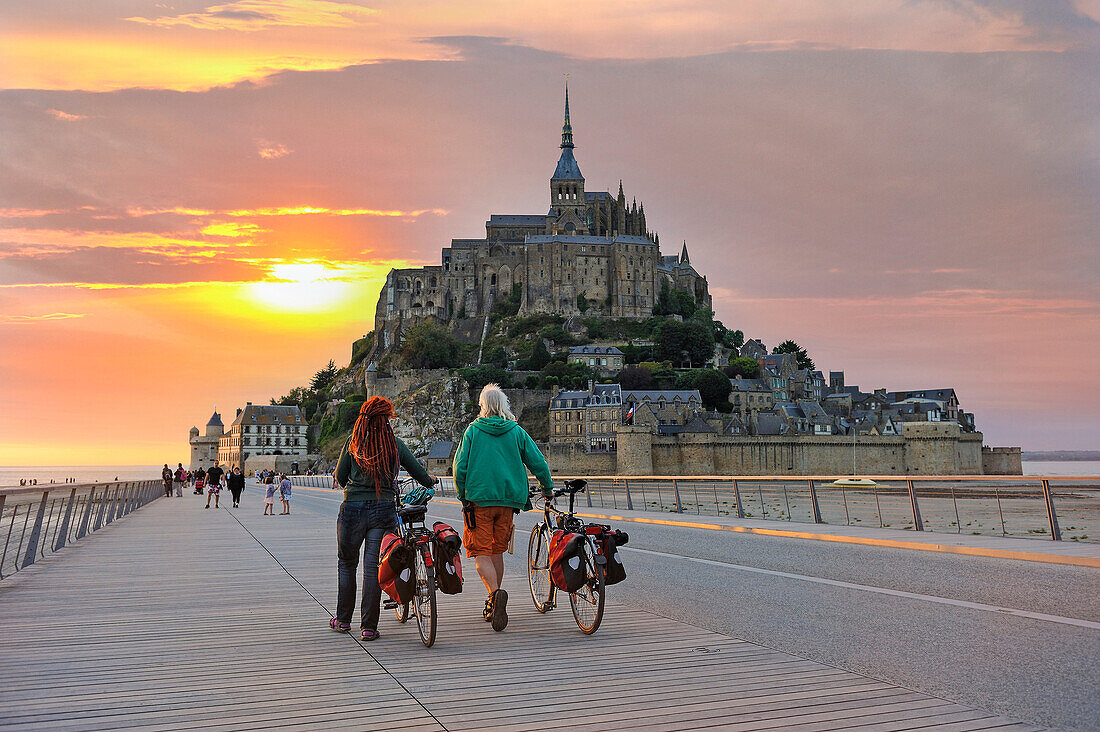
1043 671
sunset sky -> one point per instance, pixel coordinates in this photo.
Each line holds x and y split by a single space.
199 201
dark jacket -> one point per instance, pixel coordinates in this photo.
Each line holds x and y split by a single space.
235 481
358 486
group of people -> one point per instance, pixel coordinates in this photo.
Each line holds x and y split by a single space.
490 474
211 480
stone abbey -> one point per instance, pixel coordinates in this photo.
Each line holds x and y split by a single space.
592 252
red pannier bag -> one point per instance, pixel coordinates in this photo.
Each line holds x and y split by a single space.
614 571
395 569
567 570
445 552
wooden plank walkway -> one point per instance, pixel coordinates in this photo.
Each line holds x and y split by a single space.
182 618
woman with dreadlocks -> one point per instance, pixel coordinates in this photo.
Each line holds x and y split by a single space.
366 471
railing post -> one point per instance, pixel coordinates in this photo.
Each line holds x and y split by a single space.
1052 516
112 512
813 502
918 523
83 530
737 499
102 511
676 490
63 533
629 503
588 495
36 531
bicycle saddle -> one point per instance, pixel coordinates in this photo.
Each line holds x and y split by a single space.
576 484
413 513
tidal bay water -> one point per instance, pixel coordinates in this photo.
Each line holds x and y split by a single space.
44 474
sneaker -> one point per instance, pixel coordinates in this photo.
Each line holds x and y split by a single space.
500 614
487 611
206 506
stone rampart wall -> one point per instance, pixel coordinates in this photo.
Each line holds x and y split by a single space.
1002 461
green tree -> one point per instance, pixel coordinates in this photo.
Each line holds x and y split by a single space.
539 356
429 346
733 339
361 347
636 378
713 385
803 358
583 303
324 378
742 366
478 376
676 340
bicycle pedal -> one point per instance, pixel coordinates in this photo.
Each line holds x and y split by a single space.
390 604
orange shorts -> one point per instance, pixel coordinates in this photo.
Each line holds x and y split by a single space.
492 533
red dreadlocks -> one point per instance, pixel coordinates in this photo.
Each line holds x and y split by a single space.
373 445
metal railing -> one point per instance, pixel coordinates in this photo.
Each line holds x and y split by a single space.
1034 507
38 520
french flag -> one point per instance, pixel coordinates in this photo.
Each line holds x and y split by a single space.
630 413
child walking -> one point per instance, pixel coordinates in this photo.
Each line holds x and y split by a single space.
284 492
269 498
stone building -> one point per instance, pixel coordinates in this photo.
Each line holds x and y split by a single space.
204 448
264 430
605 359
663 407
750 395
592 253
587 418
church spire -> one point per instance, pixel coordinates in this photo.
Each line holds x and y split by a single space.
684 254
566 128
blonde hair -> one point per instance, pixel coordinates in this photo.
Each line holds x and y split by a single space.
494 403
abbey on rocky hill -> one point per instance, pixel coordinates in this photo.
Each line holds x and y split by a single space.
591 253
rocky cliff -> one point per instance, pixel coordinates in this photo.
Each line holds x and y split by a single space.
437 410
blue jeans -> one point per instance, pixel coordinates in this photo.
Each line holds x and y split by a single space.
359 523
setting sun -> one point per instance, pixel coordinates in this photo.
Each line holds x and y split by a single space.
301 287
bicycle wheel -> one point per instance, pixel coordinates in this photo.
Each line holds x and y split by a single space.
423 601
587 602
538 568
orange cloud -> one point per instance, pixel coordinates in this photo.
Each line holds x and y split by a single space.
65 115
273 152
27 319
256 15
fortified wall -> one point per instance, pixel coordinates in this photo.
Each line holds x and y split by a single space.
922 449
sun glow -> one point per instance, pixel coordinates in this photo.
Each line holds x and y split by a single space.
302 287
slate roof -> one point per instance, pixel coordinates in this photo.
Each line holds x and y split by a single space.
569 399
566 238
669 395
770 424
696 425
440 450
567 166
594 350
940 395
269 414
517 219
215 420
749 385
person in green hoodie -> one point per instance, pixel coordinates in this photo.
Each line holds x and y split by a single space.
490 472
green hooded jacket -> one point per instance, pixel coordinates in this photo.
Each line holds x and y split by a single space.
492 461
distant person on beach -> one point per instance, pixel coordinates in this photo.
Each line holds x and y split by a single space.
284 493
490 472
213 483
366 470
166 476
236 485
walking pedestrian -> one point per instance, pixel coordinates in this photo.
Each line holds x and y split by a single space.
284 493
366 470
180 478
490 473
166 477
235 480
269 499
213 483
